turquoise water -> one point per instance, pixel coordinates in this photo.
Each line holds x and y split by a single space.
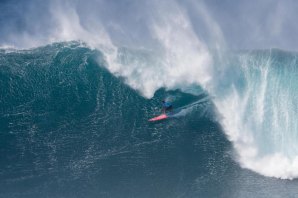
69 128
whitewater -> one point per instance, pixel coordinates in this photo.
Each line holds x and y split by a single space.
96 72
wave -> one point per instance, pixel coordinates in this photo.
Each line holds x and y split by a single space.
254 92
65 116
255 95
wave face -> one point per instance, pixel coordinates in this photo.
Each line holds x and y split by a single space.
69 128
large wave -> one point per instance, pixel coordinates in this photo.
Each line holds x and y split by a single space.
181 46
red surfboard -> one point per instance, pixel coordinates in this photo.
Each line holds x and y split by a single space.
160 117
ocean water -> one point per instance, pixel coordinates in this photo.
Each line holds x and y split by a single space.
74 125
80 79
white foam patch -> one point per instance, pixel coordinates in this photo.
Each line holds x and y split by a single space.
181 59
275 164
260 121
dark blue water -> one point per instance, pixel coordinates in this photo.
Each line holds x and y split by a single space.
69 128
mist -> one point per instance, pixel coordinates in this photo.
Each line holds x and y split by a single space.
229 24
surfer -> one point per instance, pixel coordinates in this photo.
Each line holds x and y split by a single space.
166 106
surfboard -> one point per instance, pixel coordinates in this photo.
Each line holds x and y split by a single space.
160 117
